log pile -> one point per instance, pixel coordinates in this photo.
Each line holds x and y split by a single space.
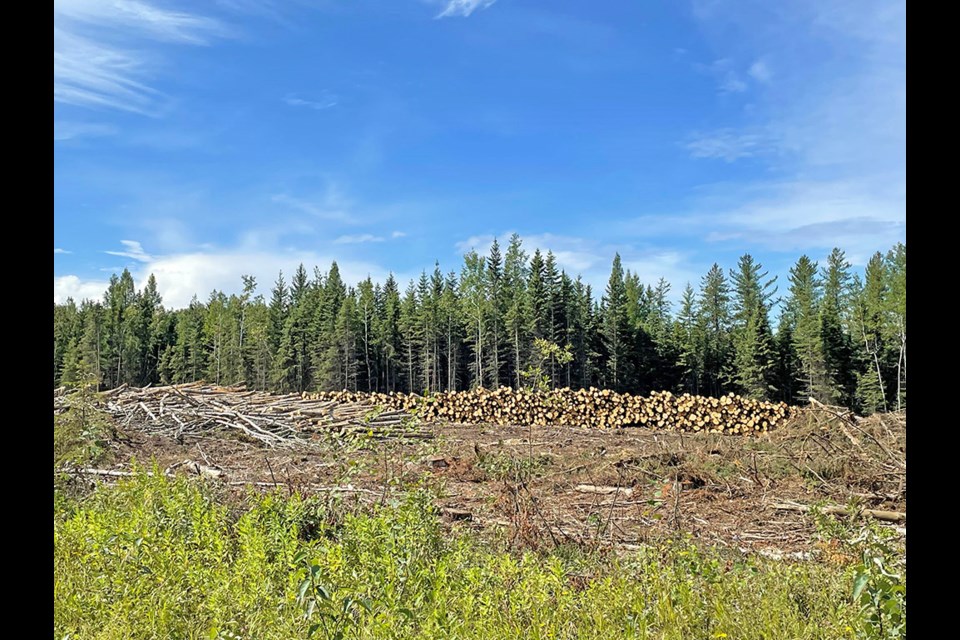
579 408
274 420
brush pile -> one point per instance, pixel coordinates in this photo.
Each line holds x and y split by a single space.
579 408
274 420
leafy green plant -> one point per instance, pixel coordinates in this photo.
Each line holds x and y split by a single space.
157 557
545 351
879 586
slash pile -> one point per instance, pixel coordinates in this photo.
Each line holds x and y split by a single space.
582 407
274 420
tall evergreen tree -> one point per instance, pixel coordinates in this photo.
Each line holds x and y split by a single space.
804 304
473 294
517 306
616 330
755 356
715 323
496 314
868 321
837 344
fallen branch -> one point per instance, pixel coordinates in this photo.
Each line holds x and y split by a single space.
590 488
888 516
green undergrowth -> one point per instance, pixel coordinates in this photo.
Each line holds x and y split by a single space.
154 557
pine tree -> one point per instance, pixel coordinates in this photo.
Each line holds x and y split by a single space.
473 295
553 321
754 367
896 320
452 322
837 344
93 342
496 310
410 339
868 322
715 328
366 311
688 332
517 319
616 329
804 304
389 331
345 340
67 325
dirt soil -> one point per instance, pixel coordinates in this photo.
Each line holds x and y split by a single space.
546 486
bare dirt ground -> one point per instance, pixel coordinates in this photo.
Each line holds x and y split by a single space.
547 486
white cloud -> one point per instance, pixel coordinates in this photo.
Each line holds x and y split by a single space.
325 102
180 276
101 51
729 144
332 206
725 74
57 250
463 8
760 71
832 130
134 251
860 217
731 83
398 234
64 130
73 287
358 239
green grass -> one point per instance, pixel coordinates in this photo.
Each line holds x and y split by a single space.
154 557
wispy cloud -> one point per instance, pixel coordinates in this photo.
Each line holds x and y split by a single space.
398 234
729 144
58 250
359 239
66 130
724 72
832 129
133 251
325 102
331 206
102 53
788 216
463 8
760 71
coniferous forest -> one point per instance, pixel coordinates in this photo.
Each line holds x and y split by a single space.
826 333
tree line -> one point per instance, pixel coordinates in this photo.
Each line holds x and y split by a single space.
839 337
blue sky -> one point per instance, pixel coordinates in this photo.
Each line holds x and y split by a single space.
203 141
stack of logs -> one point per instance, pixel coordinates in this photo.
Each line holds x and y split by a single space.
582 407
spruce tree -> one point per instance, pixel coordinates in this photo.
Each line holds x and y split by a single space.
870 299
715 327
496 309
473 294
617 334
804 305
517 318
837 344
754 366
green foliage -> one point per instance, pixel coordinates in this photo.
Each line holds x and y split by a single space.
502 466
841 338
155 557
82 432
877 577
544 352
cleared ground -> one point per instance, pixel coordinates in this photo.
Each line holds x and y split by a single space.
546 486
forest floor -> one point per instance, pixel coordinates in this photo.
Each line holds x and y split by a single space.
543 486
